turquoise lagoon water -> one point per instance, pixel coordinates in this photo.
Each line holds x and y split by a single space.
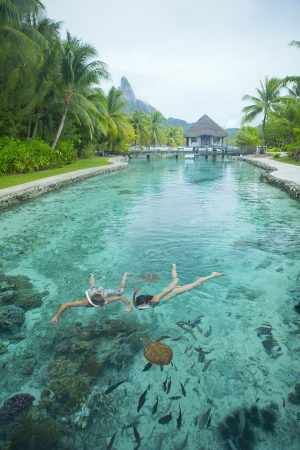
204 215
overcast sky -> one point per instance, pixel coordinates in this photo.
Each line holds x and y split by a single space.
188 57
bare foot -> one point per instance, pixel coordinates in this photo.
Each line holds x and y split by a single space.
54 320
217 274
174 265
129 274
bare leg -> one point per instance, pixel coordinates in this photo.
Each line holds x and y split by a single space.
92 280
124 279
188 287
174 272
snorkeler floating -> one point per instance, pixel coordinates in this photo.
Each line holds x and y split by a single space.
97 296
171 291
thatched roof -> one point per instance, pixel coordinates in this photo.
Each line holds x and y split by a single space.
205 126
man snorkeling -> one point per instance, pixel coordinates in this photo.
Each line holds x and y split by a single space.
171 291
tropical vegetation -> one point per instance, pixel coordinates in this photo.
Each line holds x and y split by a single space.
277 104
52 106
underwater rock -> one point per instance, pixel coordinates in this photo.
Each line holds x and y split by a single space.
3 347
34 431
238 429
15 405
125 191
81 417
18 291
11 319
68 382
294 397
297 308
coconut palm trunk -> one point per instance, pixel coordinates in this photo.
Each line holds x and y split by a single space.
61 125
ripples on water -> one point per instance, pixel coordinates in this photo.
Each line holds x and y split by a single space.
205 216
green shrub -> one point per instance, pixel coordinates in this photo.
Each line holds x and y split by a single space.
65 152
274 149
287 147
276 156
32 155
88 151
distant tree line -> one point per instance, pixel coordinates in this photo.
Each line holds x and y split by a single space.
50 90
277 102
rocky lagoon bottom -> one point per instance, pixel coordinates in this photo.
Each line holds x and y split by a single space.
84 383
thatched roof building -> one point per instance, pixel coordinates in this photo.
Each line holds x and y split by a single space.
205 132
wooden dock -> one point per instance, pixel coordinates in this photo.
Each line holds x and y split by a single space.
223 152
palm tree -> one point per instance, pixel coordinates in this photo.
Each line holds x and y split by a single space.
268 96
248 137
139 122
294 78
156 128
48 76
288 113
79 73
118 125
174 136
15 25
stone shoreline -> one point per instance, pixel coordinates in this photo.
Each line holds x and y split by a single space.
15 195
286 177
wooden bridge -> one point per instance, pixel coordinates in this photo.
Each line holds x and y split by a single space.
220 151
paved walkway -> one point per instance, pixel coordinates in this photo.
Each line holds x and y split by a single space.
283 175
17 194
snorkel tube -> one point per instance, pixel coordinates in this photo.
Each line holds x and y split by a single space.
136 290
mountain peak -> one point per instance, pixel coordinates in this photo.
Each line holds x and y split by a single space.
127 90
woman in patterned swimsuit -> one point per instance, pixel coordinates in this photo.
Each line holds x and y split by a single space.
97 296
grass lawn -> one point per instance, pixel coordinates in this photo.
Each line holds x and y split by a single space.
288 160
13 180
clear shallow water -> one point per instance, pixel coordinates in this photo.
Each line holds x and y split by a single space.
203 215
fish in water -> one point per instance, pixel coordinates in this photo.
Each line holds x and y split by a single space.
176 397
110 444
183 390
142 399
154 409
147 367
208 333
179 419
201 354
165 419
184 444
182 324
187 348
207 365
204 419
165 384
161 338
195 322
136 435
113 387
177 338
208 422
169 386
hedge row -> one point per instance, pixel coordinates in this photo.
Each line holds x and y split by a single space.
32 155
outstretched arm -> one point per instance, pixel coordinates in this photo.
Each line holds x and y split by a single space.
119 298
66 305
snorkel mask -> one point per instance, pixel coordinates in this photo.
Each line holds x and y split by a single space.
143 306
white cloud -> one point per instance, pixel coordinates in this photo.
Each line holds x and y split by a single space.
189 58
